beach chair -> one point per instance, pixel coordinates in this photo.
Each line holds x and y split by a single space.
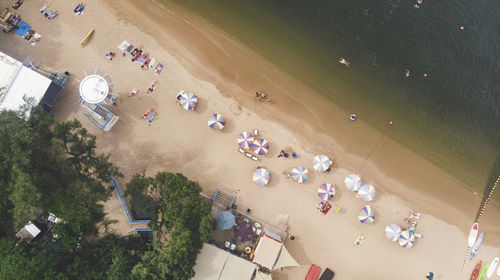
233 246
254 158
241 150
227 244
255 132
248 155
418 235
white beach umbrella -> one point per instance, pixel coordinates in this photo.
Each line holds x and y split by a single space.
352 182
321 163
406 239
366 192
392 232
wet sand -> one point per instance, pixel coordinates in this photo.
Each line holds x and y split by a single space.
225 76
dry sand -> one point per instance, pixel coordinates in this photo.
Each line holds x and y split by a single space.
225 76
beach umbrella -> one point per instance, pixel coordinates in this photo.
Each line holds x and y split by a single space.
392 232
261 176
216 121
366 192
243 231
352 182
326 191
299 174
245 140
321 163
406 239
366 215
188 101
226 220
260 146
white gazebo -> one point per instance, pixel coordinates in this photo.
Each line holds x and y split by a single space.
94 89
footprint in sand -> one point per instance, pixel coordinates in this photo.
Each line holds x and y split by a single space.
235 108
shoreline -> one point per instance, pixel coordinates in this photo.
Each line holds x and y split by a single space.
224 75
433 183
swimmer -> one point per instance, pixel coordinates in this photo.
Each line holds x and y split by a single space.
407 73
419 2
345 62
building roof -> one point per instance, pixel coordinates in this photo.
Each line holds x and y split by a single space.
216 264
28 232
18 82
267 251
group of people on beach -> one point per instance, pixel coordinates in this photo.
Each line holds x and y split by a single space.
11 20
50 14
261 96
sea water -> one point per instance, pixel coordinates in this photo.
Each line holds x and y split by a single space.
448 109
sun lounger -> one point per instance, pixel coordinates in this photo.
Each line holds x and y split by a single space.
130 48
241 150
158 68
248 155
123 46
313 272
255 158
227 244
418 235
255 132
233 246
152 63
35 39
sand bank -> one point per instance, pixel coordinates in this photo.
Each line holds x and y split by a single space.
225 76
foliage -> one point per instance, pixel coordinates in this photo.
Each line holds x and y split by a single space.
183 222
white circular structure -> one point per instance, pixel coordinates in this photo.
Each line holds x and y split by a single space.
94 89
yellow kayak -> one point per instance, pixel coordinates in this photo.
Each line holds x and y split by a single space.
87 37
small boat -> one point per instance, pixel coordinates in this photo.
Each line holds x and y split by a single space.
477 245
353 117
482 275
473 234
87 37
475 272
493 266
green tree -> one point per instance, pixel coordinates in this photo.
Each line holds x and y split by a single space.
182 222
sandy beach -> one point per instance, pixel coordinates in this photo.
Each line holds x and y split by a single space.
225 75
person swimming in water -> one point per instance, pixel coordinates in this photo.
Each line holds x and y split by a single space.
345 62
419 2
407 73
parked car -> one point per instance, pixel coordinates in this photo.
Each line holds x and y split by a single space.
313 273
327 274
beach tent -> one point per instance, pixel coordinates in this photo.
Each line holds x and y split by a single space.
321 163
285 259
366 192
22 29
213 263
226 220
267 251
352 182
271 253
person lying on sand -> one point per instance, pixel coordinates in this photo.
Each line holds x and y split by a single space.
44 8
153 86
345 62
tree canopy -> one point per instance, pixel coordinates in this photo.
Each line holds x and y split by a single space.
50 166
182 222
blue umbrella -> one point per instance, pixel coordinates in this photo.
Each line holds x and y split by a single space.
226 220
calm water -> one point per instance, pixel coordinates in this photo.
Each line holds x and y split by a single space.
452 116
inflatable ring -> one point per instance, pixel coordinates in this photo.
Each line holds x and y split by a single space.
353 117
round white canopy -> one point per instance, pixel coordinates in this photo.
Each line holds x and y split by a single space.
94 89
